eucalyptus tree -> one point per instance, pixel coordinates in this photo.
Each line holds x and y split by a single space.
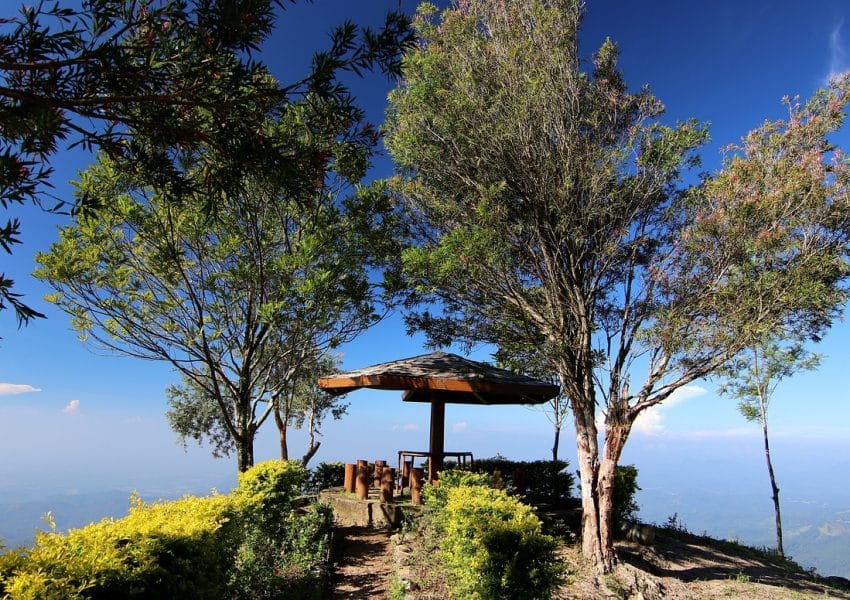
241 298
752 379
550 212
529 360
150 82
299 403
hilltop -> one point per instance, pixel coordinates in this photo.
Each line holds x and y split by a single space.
678 565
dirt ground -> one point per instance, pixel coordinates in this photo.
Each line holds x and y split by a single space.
685 567
678 566
363 564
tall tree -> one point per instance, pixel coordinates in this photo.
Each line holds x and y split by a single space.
752 379
548 204
308 405
530 360
240 299
150 82
195 414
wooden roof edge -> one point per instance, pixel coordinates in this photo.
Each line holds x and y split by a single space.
342 384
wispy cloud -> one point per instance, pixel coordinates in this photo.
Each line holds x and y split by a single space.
459 426
651 421
732 432
406 427
838 62
10 389
72 407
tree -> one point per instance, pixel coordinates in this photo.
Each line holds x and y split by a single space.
548 205
307 404
238 300
752 379
195 414
528 360
150 83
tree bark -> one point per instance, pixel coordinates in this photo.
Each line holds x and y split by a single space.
774 488
587 450
245 454
616 434
311 452
556 443
281 422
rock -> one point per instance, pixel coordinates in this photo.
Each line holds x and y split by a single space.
637 532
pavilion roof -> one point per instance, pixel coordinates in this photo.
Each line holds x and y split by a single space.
447 377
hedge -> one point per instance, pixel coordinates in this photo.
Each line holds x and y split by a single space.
189 548
493 547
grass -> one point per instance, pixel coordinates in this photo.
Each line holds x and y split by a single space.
396 589
677 530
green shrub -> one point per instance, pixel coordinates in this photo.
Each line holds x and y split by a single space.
251 544
268 490
625 488
493 548
167 549
435 495
289 563
546 481
326 475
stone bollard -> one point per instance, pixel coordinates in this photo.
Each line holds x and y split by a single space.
405 474
379 470
362 482
387 484
416 476
498 479
518 481
350 474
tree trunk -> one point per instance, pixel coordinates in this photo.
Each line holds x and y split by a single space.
779 549
556 443
311 452
281 422
245 439
587 449
616 434
313 443
245 454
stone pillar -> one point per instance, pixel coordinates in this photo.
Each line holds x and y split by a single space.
416 476
362 482
350 474
387 484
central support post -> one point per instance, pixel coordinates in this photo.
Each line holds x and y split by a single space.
438 435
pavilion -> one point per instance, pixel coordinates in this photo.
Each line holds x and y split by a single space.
440 378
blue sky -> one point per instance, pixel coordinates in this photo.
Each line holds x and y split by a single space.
74 419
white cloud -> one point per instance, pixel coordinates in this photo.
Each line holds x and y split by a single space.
10 389
406 427
838 62
684 393
459 426
72 407
732 432
651 421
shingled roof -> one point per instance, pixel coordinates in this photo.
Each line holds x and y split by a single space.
446 377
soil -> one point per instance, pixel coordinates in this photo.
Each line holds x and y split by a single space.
680 566
363 565
677 566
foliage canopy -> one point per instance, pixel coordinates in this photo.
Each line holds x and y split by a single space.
551 213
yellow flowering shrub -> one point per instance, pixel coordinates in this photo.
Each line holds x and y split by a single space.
271 485
250 544
493 547
163 549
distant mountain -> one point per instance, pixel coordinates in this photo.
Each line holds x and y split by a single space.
816 533
20 517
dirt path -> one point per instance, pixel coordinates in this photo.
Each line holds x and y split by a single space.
363 565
